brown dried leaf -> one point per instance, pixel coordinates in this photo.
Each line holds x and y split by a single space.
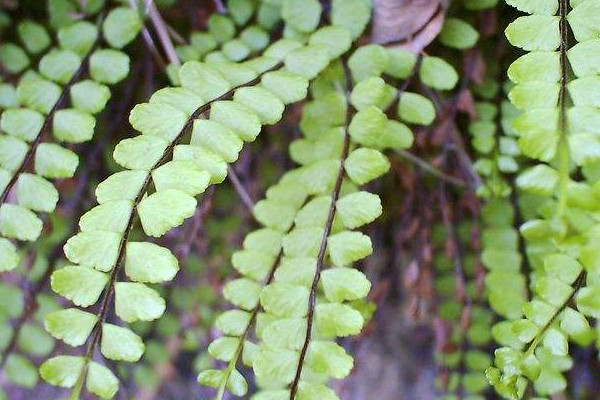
424 37
398 20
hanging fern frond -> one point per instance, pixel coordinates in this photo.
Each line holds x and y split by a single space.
297 332
555 90
464 351
177 173
28 157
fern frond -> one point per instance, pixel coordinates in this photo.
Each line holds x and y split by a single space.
315 209
463 317
299 323
554 90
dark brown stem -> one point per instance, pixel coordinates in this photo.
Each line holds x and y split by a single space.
564 65
563 152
